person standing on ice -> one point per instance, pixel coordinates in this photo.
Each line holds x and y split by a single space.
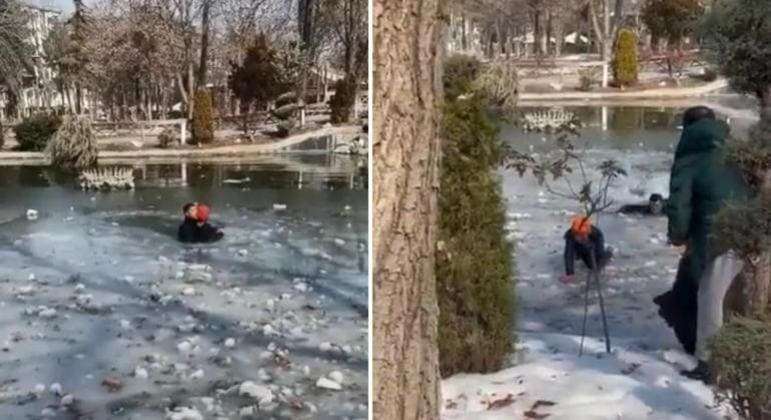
195 228
701 183
586 242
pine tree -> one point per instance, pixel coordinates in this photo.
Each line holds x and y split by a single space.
625 58
203 118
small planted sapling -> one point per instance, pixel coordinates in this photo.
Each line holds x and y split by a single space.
553 170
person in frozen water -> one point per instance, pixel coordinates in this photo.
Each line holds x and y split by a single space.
196 228
654 207
586 242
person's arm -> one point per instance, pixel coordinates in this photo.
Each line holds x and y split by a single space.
185 234
210 234
634 209
679 205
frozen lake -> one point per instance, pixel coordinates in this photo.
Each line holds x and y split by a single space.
104 314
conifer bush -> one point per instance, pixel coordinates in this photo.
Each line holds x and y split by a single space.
203 118
741 360
33 133
342 101
625 58
73 147
474 265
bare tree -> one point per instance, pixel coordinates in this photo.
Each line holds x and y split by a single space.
605 28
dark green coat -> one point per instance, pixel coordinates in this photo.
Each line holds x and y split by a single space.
701 183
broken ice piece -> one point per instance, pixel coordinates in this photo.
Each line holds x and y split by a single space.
67 400
261 393
55 388
184 346
140 373
243 252
47 313
198 374
230 342
327 383
184 413
336 376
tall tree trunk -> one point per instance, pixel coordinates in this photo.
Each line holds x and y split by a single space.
463 40
190 90
203 63
407 89
536 33
558 26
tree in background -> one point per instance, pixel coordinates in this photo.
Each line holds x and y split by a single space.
473 265
342 102
14 50
407 98
73 147
258 80
75 58
736 37
203 118
672 20
625 58
606 21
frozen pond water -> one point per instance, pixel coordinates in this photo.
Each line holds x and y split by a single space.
640 378
104 314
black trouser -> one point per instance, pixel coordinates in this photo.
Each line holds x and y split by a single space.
678 306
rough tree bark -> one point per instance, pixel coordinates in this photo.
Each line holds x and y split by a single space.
408 37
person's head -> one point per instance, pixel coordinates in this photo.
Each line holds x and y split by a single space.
190 210
656 203
203 212
697 113
581 227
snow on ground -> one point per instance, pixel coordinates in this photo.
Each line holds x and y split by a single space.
640 379
104 314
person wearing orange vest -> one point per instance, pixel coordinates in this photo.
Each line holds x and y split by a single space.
196 228
586 242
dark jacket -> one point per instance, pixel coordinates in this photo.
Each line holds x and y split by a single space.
190 232
701 183
578 249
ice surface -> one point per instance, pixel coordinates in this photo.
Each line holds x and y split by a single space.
97 286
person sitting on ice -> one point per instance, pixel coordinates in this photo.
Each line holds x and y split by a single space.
654 207
195 228
587 242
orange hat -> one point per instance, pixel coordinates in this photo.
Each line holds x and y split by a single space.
203 212
580 225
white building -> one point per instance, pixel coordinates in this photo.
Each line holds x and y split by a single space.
39 90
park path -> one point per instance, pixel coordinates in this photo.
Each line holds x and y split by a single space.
279 146
657 93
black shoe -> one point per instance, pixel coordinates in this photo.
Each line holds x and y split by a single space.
700 373
666 308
